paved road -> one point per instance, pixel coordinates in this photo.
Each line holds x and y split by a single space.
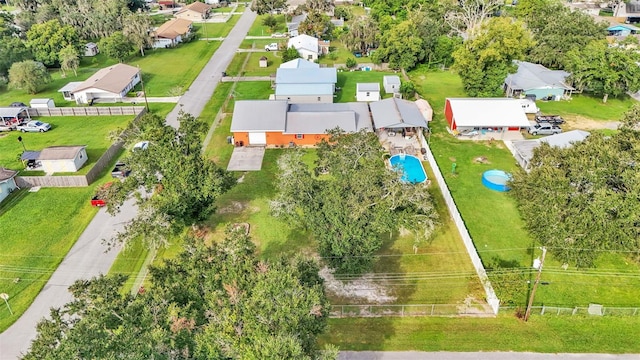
86 259
199 93
416 355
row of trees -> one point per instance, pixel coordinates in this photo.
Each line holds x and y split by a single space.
351 200
582 201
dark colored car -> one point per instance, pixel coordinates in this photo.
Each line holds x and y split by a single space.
18 104
550 119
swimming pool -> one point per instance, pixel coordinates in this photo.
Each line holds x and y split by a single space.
410 167
496 180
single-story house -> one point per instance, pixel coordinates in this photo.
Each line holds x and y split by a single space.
495 114
394 113
67 90
292 27
7 182
299 64
194 11
63 158
622 30
42 103
13 115
91 49
536 80
111 83
306 45
391 84
171 33
523 149
280 123
368 91
306 85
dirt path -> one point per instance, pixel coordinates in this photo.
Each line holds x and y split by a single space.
583 123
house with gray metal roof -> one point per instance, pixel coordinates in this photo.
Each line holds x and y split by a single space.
523 150
536 80
299 64
394 113
280 123
306 84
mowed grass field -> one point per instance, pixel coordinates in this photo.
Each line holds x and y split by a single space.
92 131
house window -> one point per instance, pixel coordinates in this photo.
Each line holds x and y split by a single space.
299 136
309 57
368 94
319 98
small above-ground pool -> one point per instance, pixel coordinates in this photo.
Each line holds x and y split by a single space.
410 167
496 180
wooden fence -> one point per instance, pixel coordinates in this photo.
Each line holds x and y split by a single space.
87 111
77 180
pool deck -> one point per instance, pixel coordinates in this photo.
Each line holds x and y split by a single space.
398 144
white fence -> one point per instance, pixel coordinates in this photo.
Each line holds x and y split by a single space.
492 299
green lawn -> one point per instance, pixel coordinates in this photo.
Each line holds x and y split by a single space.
585 106
347 81
339 55
215 30
499 233
257 29
253 65
546 334
260 43
37 232
92 131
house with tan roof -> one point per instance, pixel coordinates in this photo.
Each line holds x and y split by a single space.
109 84
195 11
171 33
63 158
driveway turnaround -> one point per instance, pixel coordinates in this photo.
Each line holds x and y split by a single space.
200 92
417 355
87 258
246 158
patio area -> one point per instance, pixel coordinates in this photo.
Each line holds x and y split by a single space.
485 135
395 143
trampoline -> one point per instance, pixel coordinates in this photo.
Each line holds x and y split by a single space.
496 180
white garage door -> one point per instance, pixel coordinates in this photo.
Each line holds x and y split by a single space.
258 138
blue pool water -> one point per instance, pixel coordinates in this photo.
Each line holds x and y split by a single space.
410 167
496 180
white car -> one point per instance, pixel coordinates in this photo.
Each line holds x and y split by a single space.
34 126
271 47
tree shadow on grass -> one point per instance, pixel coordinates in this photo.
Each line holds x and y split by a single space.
388 266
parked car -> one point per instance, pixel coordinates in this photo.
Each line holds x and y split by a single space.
271 47
142 145
544 129
18 104
120 171
34 126
550 119
278 35
99 198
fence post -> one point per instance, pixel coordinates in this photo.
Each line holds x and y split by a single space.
432 308
402 311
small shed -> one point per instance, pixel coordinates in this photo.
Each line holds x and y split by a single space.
368 91
42 103
91 49
63 158
7 182
264 62
391 84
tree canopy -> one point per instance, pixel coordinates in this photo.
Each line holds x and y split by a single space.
180 185
116 46
210 302
484 61
604 70
583 200
357 202
48 39
268 6
29 76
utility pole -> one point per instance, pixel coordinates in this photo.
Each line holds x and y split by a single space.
535 284
144 92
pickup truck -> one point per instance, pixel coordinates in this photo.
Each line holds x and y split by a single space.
120 171
544 129
271 47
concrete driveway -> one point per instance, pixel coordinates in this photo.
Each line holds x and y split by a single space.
246 158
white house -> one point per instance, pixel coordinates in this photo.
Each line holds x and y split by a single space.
306 45
368 91
91 49
63 158
522 150
42 103
7 182
109 84
171 33
391 84
299 64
